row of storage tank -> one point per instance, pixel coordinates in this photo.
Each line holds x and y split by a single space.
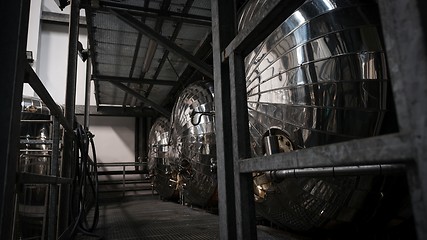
319 78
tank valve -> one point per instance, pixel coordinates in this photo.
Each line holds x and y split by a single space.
271 144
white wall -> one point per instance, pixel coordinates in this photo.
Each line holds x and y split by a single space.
114 136
33 38
53 57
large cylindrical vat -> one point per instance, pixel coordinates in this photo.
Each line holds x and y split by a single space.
319 78
194 145
160 164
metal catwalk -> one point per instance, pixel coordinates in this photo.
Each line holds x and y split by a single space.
149 218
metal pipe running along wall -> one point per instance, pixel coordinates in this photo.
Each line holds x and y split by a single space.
380 169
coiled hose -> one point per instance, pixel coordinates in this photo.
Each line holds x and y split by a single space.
85 187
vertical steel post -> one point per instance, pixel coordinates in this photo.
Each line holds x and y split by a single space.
70 103
53 196
87 91
143 143
139 130
124 181
245 205
405 33
230 217
14 17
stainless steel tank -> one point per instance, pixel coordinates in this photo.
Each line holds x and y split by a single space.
161 168
319 78
193 143
34 158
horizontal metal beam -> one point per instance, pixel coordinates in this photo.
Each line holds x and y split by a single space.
134 80
41 179
262 23
166 43
34 141
385 149
116 111
39 88
121 164
120 172
380 169
159 14
60 18
145 100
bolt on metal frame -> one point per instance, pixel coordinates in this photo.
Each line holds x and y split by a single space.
404 30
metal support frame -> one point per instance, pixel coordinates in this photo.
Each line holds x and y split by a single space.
404 29
67 168
134 59
44 95
87 91
14 15
246 225
380 169
141 136
53 179
392 148
117 111
53 189
134 80
203 52
173 37
59 18
166 43
90 30
405 33
147 101
223 31
158 14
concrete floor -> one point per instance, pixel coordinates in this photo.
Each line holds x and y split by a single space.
149 218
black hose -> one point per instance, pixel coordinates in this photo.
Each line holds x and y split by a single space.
85 185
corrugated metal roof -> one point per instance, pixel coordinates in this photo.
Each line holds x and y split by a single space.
116 52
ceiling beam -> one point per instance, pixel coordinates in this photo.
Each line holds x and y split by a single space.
134 80
189 75
60 18
166 43
175 33
157 13
92 53
163 111
116 111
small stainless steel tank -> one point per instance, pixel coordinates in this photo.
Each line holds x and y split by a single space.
34 158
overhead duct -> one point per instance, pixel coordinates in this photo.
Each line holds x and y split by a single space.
319 78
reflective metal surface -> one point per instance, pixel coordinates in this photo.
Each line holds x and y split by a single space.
34 158
193 143
35 125
319 78
163 174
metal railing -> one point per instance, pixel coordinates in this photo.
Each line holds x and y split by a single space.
123 166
